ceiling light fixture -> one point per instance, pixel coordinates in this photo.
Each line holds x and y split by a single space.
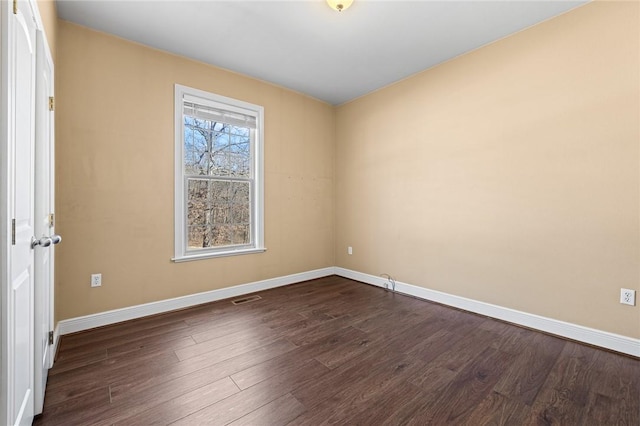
340 5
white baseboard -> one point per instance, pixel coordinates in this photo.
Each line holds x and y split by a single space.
118 315
576 332
616 342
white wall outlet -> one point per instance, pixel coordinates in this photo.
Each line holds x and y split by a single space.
349 250
96 280
628 297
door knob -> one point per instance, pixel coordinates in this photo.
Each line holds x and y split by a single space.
56 239
42 242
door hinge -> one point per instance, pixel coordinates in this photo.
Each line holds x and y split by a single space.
52 103
51 337
13 232
15 7
51 220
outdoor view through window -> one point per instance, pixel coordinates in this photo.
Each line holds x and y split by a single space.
218 173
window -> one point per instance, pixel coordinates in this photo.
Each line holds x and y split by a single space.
219 173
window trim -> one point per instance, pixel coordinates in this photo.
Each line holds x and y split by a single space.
181 252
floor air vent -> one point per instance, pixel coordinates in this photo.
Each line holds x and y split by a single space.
246 300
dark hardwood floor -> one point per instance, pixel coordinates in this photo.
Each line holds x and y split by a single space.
334 351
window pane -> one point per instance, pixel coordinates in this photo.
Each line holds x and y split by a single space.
239 193
230 153
198 211
218 212
196 149
241 234
243 131
216 149
221 235
221 139
219 164
197 237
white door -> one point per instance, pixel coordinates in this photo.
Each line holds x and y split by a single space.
19 302
44 257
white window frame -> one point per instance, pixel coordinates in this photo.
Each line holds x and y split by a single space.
182 254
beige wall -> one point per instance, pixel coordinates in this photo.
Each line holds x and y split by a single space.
509 175
49 16
115 176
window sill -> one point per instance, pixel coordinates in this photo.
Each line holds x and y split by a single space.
190 257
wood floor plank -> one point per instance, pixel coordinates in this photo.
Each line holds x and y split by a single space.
401 320
223 317
214 328
113 335
507 337
183 405
555 406
346 306
470 387
190 371
333 350
337 379
617 376
337 348
403 341
245 402
76 410
531 368
150 345
318 332
246 333
75 360
100 374
565 393
278 412
386 406
300 322
357 396
157 354
345 346
498 410
355 373
436 344
273 367
220 350
456 351
600 412
134 395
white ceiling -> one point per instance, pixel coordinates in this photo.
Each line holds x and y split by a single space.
308 47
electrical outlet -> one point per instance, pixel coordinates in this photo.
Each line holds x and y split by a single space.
349 250
96 280
627 297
